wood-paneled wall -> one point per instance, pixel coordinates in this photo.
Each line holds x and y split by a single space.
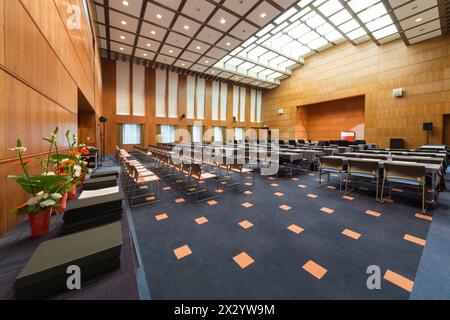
43 64
326 120
422 70
150 121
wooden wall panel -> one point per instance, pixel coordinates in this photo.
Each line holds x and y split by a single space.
422 70
42 69
326 120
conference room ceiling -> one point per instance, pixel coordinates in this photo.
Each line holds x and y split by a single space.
256 42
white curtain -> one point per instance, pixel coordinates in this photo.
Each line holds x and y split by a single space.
223 101
197 134
239 134
123 88
218 134
131 133
242 103
167 134
215 100
138 90
160 88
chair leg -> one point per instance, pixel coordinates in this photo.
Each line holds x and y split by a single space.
423 198
382 191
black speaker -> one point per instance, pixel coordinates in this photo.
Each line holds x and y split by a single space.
182 116
428 126
234 119
102 119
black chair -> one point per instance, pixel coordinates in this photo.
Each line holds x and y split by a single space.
323 143
396 143
280 141
292 142
301 141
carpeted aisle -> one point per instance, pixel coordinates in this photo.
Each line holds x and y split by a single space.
263 259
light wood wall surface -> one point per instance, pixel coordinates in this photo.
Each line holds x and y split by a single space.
150 121
422 70
43 66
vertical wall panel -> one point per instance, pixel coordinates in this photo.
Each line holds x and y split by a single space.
138 90
215 100
223 101
190 97
122 88
252 105
160 94
258 105
200 98
172 99
242 99
236 102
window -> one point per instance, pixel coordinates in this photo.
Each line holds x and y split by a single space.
239 134
131 134
197 134
88 20
218 137
167 134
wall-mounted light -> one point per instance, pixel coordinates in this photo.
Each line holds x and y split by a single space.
397 92
280 112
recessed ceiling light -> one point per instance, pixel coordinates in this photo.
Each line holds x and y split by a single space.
263 15
182 64
212 71
149 45
121 48
125 3
144 54
123 22
198 47
122 37
159 16
186 27
170 51
228 44
419 19
206 61
223 21
153 32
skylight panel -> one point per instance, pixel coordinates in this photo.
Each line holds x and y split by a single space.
263 39
276 75
355 34
304 3
236 51
372 13
257 69
246 50
266 72
359 5
292 47
275 61
249 41
315 21
281 41
310 36
299 31
287 64
279 28
330 7
286 15
318 3
300 14
333 36
379 23
302 51
234 61
387 31
324 29
319 43
246 65
258 51
340 17
267 56
265 30
349 26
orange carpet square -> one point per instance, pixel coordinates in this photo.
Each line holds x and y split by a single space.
295 228
274 184
247 205
327 210
312 196
399 280
373 213
248 183
294 179
246 224
348 198
201 220
219 190
301 186
182 252
179 200
285 207
415 240
423 216
161 216
315 269
166 188
279 194
351 234
212 202
331 187
243 260
248 192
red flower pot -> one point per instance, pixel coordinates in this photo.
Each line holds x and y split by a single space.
63 203
73 192
39 222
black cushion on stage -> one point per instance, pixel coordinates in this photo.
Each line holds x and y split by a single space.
95 175
90 222
100 183
95 251
86 208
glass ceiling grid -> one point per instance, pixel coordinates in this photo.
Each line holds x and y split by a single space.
306 28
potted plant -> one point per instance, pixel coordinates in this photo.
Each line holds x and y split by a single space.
44 190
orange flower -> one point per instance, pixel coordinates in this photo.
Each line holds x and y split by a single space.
22 206
84 151
74 153
25 162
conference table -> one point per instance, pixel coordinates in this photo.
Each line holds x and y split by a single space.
432 169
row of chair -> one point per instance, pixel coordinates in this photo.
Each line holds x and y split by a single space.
357 170
141 185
